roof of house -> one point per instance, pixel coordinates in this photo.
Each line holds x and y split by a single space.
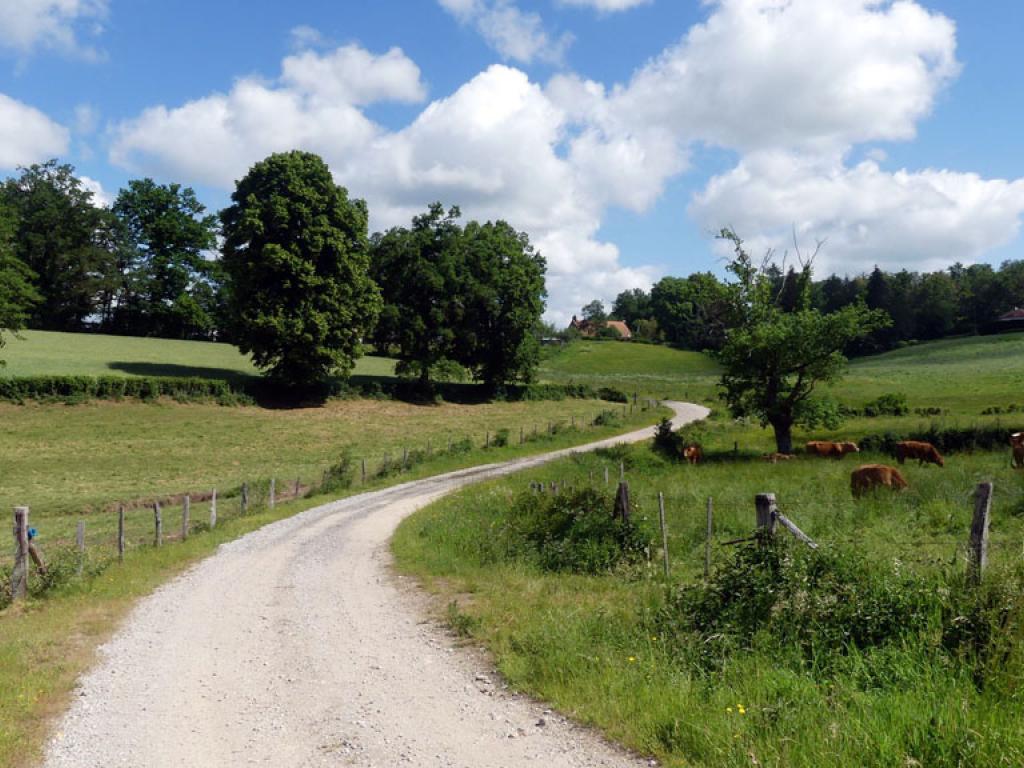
621 327
1016 314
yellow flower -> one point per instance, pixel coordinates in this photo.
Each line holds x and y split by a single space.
743 710
728 709
632 659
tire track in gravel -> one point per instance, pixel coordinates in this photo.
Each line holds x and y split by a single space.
294 646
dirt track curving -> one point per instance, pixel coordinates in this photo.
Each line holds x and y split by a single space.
295 646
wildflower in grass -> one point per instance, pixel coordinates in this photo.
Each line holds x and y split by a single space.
742 710
729 710
632 659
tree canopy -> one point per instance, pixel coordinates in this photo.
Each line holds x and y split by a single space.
781 348
165 273
296 262
17 296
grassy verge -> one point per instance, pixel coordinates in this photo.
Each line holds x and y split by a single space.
623 651
45 644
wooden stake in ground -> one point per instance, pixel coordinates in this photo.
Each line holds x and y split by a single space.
120 533
19 576
245 498
298 488
521 439
707 540
765 504
978 550
622 502
213 510
273 493
622 471
606 474
487 440
664 531
158 525
186 516
364 471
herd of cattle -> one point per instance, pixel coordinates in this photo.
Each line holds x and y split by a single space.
870 476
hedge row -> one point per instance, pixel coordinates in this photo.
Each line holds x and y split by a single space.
71 389
988 437
77 389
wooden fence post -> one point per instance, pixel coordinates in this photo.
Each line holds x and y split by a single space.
521 439
213 510
664 530
622 471
272 501
606 474
19 576
707 539
186 516
978 551
405 459
487 439
298 487
766 522
120 533
158 525
574 422
622 502
245 498
364 471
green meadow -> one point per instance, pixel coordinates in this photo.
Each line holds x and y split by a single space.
871 651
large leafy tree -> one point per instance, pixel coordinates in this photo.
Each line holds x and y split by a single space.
776 355
503 291
632 306
166 273
421 272
296 262
59 237
16 292
693 312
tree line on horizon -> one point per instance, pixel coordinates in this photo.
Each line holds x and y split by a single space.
288 272
696 312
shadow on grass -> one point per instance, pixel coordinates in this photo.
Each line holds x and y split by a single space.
171 370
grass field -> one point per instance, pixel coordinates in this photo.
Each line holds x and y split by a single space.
82 354
597 646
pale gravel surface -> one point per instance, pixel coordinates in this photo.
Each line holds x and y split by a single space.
295 646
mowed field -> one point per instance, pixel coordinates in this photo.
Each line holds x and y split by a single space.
601 646
45 353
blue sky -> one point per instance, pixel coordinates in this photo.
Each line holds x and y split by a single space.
618 133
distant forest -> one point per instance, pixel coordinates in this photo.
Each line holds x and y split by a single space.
695 312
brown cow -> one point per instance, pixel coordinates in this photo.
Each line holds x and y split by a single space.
829 450
775 458
923 452
693 453
1017 441
871 476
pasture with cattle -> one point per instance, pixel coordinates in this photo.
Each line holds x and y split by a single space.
872 650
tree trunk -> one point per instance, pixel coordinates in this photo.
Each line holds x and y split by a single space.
783 435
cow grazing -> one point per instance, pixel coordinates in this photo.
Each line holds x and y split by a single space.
925 453
775 458
1017 441
829 450
871 476
693 453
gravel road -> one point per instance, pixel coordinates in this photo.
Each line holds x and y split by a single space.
296 645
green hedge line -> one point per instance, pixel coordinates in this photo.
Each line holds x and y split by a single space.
987 437
78 389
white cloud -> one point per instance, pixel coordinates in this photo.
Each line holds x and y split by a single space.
516 35
923 220
607 6
51 24
793 86
27 135
100 197
314 105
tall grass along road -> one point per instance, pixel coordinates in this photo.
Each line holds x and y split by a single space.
295 646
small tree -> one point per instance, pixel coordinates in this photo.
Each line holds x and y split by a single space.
594 313
774 359
296 260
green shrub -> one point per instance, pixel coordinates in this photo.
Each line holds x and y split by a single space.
78 389
500 439
573 532
891 404
340 475
978 437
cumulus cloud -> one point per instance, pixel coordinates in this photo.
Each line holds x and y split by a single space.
100 197
516 35
58 25
314 104
27 135
792 86
923 220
